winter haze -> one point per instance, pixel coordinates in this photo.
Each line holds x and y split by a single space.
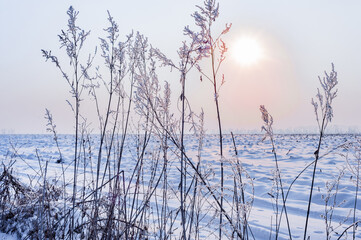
299 41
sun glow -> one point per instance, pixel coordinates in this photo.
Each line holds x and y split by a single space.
247 51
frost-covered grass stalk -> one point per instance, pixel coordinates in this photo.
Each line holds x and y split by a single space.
196 203
52 129
213 44
112 51
353 165
72 39
331 203
243 204
324 113
154 108
189 55
267 127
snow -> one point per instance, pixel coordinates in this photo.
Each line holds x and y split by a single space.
4 236
294 153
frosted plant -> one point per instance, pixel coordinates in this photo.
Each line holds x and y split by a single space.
164 105
197 199
51 127
243 182
274 195
154 110
125 210
267 123
147 84
331 203
202 45
323 104
208 46
324 113
189 55
267 127
353 165
72 39
113 53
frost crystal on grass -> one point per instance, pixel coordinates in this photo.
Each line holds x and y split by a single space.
323 103
267 120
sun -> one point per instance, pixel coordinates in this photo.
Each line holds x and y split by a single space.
247 51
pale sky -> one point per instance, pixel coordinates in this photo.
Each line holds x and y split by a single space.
299 40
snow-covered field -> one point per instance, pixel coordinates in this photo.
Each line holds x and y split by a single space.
28 154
